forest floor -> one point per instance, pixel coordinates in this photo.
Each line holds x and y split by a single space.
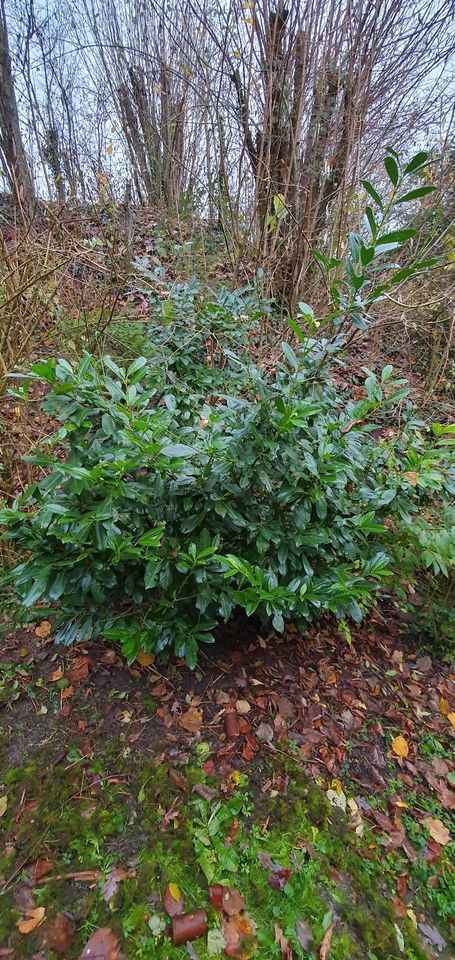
327 816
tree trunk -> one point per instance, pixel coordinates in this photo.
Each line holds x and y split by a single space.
11 143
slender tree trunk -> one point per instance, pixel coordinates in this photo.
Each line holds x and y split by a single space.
11 143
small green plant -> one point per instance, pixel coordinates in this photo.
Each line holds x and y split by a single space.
367 273
162 510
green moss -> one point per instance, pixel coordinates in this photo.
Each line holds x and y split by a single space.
123 819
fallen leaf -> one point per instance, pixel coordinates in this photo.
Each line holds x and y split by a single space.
233 901
191 720
156 924
444 706
204 791
43 629
172 900
116 875
178 779
215 942
3 805
59 933
451 718
39 869
236 930
56 675
35 919
400 746
243 706
23 899
304 935
231 724
102 945
433 936
145 659
265 732
79 670
325 945
286 708
437 830
284 945
216 895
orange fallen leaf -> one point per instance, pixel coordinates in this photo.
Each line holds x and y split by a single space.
400 746
437 830
145 659
324 949
57 675
43 629
35 919
191 720
67 692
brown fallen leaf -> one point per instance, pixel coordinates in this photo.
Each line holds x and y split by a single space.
233 901
239 933
178 779
79 669
284 945
265 732
325 945
56 675
23 898
400 747
35 919
173 900
437 830
115 876
204 791
3 805
102 945
58 933
304 935
171 814
286 708
216 895
40 868
43 629
231 724
191 720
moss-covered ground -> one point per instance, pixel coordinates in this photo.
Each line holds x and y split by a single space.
91 795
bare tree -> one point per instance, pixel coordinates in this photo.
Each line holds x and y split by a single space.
11 142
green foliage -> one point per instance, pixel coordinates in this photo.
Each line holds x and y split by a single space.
367 273
426 554
165 504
